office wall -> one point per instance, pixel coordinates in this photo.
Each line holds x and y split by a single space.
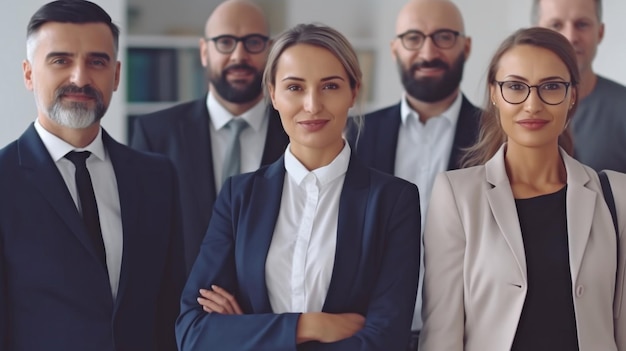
16 103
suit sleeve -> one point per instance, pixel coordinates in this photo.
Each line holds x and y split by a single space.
443 308
4 323
173 276
138 138
390 309
199 330
618 186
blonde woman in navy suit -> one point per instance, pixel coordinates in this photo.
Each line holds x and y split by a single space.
520 250
315 251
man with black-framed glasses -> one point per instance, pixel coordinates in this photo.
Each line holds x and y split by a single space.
229 131
427 131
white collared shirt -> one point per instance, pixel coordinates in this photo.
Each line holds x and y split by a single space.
423 151
301 257
105 188
252 138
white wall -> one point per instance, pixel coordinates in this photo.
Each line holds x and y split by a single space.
17 103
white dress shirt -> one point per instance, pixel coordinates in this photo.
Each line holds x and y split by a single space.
301 257
423 151
105 188
252 138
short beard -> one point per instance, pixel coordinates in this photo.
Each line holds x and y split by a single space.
76 115
430 89
233 94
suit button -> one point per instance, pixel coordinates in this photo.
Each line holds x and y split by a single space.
580 290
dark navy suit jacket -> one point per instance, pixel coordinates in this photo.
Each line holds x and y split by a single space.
375 270
377 142
54 292
182 134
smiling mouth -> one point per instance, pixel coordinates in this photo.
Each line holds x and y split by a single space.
313 125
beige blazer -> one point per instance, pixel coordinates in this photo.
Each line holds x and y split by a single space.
475 268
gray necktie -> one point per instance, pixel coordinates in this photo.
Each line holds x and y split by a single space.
232 158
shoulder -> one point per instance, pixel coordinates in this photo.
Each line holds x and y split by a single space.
383 112
608 88
172 114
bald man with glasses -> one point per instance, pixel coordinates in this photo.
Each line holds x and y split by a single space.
231 130
426 132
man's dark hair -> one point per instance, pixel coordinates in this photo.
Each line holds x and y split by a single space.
71 11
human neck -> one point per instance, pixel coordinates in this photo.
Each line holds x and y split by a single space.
534 171
314 158
588 81
78 138
236 109
427 110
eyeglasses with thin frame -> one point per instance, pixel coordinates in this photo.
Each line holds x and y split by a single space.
442 38
552 93
253 43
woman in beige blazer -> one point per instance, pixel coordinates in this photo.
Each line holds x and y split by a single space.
520 250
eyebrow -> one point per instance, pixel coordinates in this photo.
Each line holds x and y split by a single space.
547 79
101 55
302 79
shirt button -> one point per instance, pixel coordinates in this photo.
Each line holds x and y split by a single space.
580 290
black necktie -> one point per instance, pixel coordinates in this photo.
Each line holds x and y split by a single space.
88 205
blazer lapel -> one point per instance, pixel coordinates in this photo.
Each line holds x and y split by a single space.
257 226
466 132
581 204
129 191
503 207
388 128
196 150
352 206
276 140
43 174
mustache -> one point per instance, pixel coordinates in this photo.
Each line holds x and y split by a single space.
436 63
242 66
87 90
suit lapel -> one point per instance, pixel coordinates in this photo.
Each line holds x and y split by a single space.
581 204
276 140
502 204
466 132
257 227
352 206
43 174
130 194
198 158
388 128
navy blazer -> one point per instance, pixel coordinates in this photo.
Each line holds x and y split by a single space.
182 134
54 292
377 142
374 274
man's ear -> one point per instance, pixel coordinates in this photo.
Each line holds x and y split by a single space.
27 69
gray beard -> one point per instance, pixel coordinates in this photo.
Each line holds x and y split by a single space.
77 115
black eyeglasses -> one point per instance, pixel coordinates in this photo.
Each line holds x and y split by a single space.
443 38
253 43
552 93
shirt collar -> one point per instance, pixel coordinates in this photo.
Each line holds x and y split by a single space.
451 114
220 116
324 175
58 147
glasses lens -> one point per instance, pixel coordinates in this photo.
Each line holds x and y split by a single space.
225 44
553 92
514 92
412 40
444 39
255 43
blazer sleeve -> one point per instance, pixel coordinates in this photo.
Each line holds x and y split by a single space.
392 301
618 186
4 323
199 330
173 276
444 249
